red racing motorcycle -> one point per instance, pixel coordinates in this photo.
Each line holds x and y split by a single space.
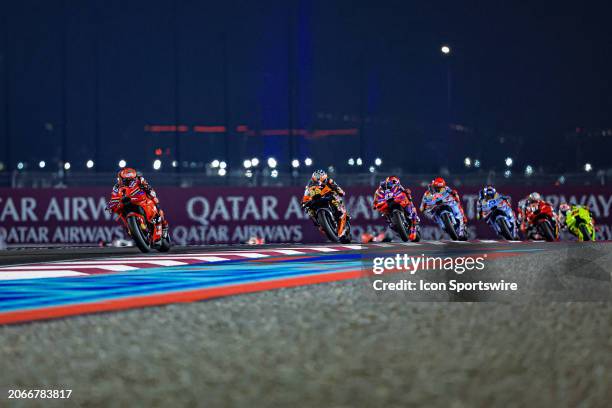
398 209
140 217
542 221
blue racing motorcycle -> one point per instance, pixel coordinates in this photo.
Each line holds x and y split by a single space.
499 215
443 209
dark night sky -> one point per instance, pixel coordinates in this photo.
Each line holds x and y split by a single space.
532 69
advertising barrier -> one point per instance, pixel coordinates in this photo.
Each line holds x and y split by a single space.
232 215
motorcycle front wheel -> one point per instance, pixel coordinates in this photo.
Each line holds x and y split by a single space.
137 234
586 235
400 225
546 231
449 226
503 228
326 221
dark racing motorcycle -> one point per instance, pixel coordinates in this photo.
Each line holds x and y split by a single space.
319 201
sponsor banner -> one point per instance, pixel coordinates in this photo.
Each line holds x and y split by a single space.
233 215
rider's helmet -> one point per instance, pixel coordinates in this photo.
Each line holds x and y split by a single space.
126 176
437 185
533 197
489 192
564 208
391 182
319 176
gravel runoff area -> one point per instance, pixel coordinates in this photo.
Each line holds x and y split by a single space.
333 344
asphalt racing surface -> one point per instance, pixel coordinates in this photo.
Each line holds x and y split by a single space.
301 325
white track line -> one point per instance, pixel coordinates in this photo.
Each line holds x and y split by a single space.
38 274
121 262
288 251
211 258
114 268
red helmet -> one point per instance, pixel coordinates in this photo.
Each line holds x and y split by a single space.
126 176
438 184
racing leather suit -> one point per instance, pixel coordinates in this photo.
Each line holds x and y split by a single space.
484 200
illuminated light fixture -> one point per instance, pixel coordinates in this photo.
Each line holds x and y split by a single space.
372 169
477 163
378 161
67 166
157 164
247 164
222 171
295 163
215 163
89 164
445 49
122 163
42 164
20 166
174 163
509 161
222 165
274 173
351 161
467 162
272 162
528 170
248 173
359 162
507 173
588 167
308 161
255 161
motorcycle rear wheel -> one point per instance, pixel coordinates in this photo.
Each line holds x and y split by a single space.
165 245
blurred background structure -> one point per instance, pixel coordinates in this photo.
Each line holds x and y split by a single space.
261 93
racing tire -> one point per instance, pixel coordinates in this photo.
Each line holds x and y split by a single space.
136 233
398 220
586 235
449 227
165 245
325 219
418 236
504 229
546 231
346 238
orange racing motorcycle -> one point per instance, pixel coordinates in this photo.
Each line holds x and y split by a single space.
318 203
140 217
